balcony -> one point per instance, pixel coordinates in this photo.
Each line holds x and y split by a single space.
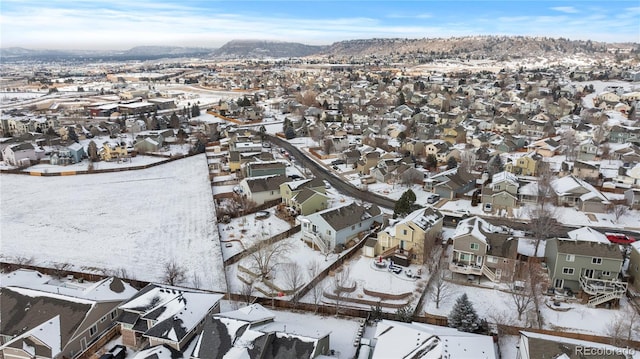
602 290
314 238
464 268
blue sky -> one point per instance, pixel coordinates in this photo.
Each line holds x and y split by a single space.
120 24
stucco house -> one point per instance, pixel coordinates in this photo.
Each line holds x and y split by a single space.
334 227
411 236
161 314
483 249
589 266
262 189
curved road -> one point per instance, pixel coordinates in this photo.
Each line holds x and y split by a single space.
322 172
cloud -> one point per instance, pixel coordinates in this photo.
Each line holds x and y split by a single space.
566 9
410 16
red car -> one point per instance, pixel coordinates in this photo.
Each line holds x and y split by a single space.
619 238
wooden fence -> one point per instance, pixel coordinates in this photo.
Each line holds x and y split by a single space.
511 330
278 237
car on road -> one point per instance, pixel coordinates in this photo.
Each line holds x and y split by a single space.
327 185
619 238
295 177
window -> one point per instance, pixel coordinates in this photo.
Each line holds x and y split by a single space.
113 314
606 274
596 260
353 227
567 270
492 259
571 257
93 330
328 232
404 232
475 246
103 319
465 257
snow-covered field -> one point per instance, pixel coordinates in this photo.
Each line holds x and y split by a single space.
102 165
132 220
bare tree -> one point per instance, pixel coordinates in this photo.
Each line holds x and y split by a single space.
174 274
328 146
535 284
570 143
266 256
316 292
307 98
467 161
246 292
61 269
622 327
236 206
523 299
605 152
195 281
293 276
618 211
440 289
411 176
545 193
599 134
543 223
341 283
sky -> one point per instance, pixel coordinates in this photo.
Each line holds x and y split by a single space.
122 24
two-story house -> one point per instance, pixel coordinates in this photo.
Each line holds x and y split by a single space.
334 227
450 184
267 168
262 189
43 320
304 196
586 265
483 249
113 151
572 191
161 314
413 236
19 154
526 165
501 192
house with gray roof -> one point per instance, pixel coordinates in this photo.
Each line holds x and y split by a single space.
48 321
535 345
334 227
161 314
586 265
254 332
262 189
19 154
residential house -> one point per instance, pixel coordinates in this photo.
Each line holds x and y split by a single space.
587 150
440 149
504 125
572 191
76 152
255 332
262 189
21 154
450 184
161 314
147 145
335 227
587 265
525 165
588 171
268 168
412 236
535 345
113 151
546 147
419 340
483 249
43 320
623 134
304 196
634 265
367 162
632 197
501 192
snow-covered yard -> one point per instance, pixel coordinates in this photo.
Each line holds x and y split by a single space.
131 220
102 165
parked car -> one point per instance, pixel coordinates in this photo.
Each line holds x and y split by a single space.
433 198
619 238
337 162
487 207
117 352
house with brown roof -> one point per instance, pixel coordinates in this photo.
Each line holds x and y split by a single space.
304 196
262 189
450 184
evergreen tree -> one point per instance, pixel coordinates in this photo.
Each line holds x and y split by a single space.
289 133
451 163
195 110
404 204
463 316
495 165
174 121
72 134
431 161
404 314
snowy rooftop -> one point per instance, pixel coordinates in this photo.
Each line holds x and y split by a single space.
588 234
48 333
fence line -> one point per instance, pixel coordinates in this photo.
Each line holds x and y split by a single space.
278 237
